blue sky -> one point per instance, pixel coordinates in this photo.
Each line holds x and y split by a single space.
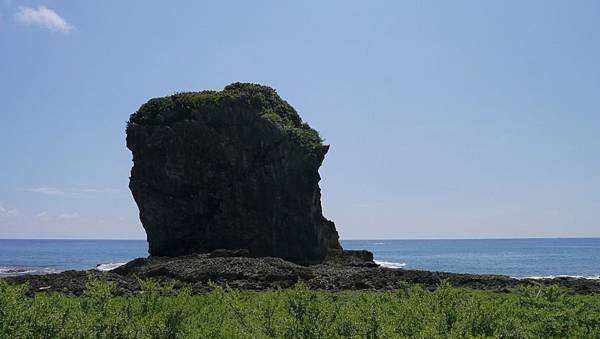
447 119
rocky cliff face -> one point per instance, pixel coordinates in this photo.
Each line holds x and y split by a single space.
235 169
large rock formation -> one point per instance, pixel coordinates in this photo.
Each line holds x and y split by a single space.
235 169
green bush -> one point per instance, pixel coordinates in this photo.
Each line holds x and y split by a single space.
261 100
161 311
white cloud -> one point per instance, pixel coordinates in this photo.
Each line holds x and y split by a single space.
101 190
71 192
50 191
8 212
43 16
41 214
69 216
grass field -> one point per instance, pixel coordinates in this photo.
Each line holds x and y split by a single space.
410 311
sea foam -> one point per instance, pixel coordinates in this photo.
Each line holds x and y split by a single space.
12 271
389 264
109 267
591 277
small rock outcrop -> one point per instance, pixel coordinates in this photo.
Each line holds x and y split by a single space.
232 169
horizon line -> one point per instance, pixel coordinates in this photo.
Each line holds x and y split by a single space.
352 239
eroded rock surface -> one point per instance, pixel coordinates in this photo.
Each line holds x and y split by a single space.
235 169
200 271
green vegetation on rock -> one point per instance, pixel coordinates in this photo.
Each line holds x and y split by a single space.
410 311
261 100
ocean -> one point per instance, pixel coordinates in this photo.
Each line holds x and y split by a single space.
520 258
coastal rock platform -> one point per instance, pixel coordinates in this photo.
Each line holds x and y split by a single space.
248 273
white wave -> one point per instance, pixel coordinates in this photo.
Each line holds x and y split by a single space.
379 243
14 270
591 277
390 264
8 271
109 267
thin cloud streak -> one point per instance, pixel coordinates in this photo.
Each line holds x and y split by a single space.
44 17
8 212
41 214
69 216
50 191
71 193
101 190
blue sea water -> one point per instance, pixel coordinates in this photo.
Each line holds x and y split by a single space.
514 257
49 256
518 258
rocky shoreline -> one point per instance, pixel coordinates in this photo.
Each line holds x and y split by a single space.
344 273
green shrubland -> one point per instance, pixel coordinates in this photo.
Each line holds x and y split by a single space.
411 311
261 100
